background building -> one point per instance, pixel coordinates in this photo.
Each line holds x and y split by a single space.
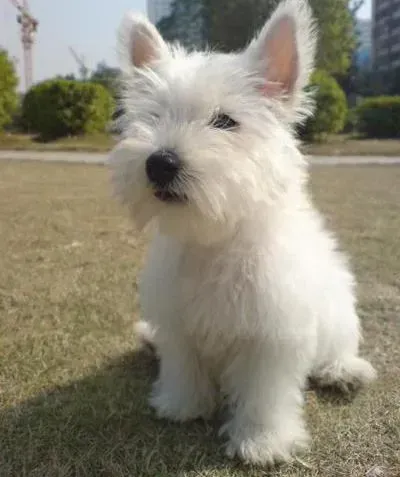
364 40
386 35
158 9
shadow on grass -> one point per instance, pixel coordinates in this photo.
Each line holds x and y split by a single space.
103 426
332 394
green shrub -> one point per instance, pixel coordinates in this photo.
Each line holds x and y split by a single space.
331 108
8 90
351 121
379 117
59 107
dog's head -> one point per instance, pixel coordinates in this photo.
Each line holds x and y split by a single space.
207 138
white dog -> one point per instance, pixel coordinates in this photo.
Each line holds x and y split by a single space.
244 293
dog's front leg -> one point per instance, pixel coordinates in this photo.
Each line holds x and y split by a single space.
264 387
183 389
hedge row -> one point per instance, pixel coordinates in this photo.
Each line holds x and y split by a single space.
375 117
379 117
60 107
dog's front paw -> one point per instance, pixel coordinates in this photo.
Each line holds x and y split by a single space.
267 448
178 406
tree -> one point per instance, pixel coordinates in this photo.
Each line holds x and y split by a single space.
69 76
226 25
330 111
349 79
185 24
107 76
336 35
8 89
229 25
232 24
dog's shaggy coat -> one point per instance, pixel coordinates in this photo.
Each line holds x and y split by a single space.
244 293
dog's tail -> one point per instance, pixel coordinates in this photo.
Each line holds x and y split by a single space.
145 334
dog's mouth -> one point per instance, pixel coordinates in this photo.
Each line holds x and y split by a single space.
170 196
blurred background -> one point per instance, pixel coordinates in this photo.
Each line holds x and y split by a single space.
358 64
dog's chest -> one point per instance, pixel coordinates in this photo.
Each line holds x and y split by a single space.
219 294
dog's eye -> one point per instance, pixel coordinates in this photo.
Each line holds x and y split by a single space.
223 121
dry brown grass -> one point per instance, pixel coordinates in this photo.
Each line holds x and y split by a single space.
72 388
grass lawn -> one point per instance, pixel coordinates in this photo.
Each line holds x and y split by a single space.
342 145
72 388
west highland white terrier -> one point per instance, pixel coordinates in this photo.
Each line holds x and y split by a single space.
244 294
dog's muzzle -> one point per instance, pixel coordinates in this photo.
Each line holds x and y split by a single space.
162 169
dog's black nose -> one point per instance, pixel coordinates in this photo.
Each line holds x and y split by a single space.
162 167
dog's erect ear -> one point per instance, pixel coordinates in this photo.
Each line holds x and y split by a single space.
140 43
284 50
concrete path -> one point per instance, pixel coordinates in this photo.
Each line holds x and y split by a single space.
55 156
100 158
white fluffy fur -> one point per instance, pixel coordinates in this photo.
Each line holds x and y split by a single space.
244 293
